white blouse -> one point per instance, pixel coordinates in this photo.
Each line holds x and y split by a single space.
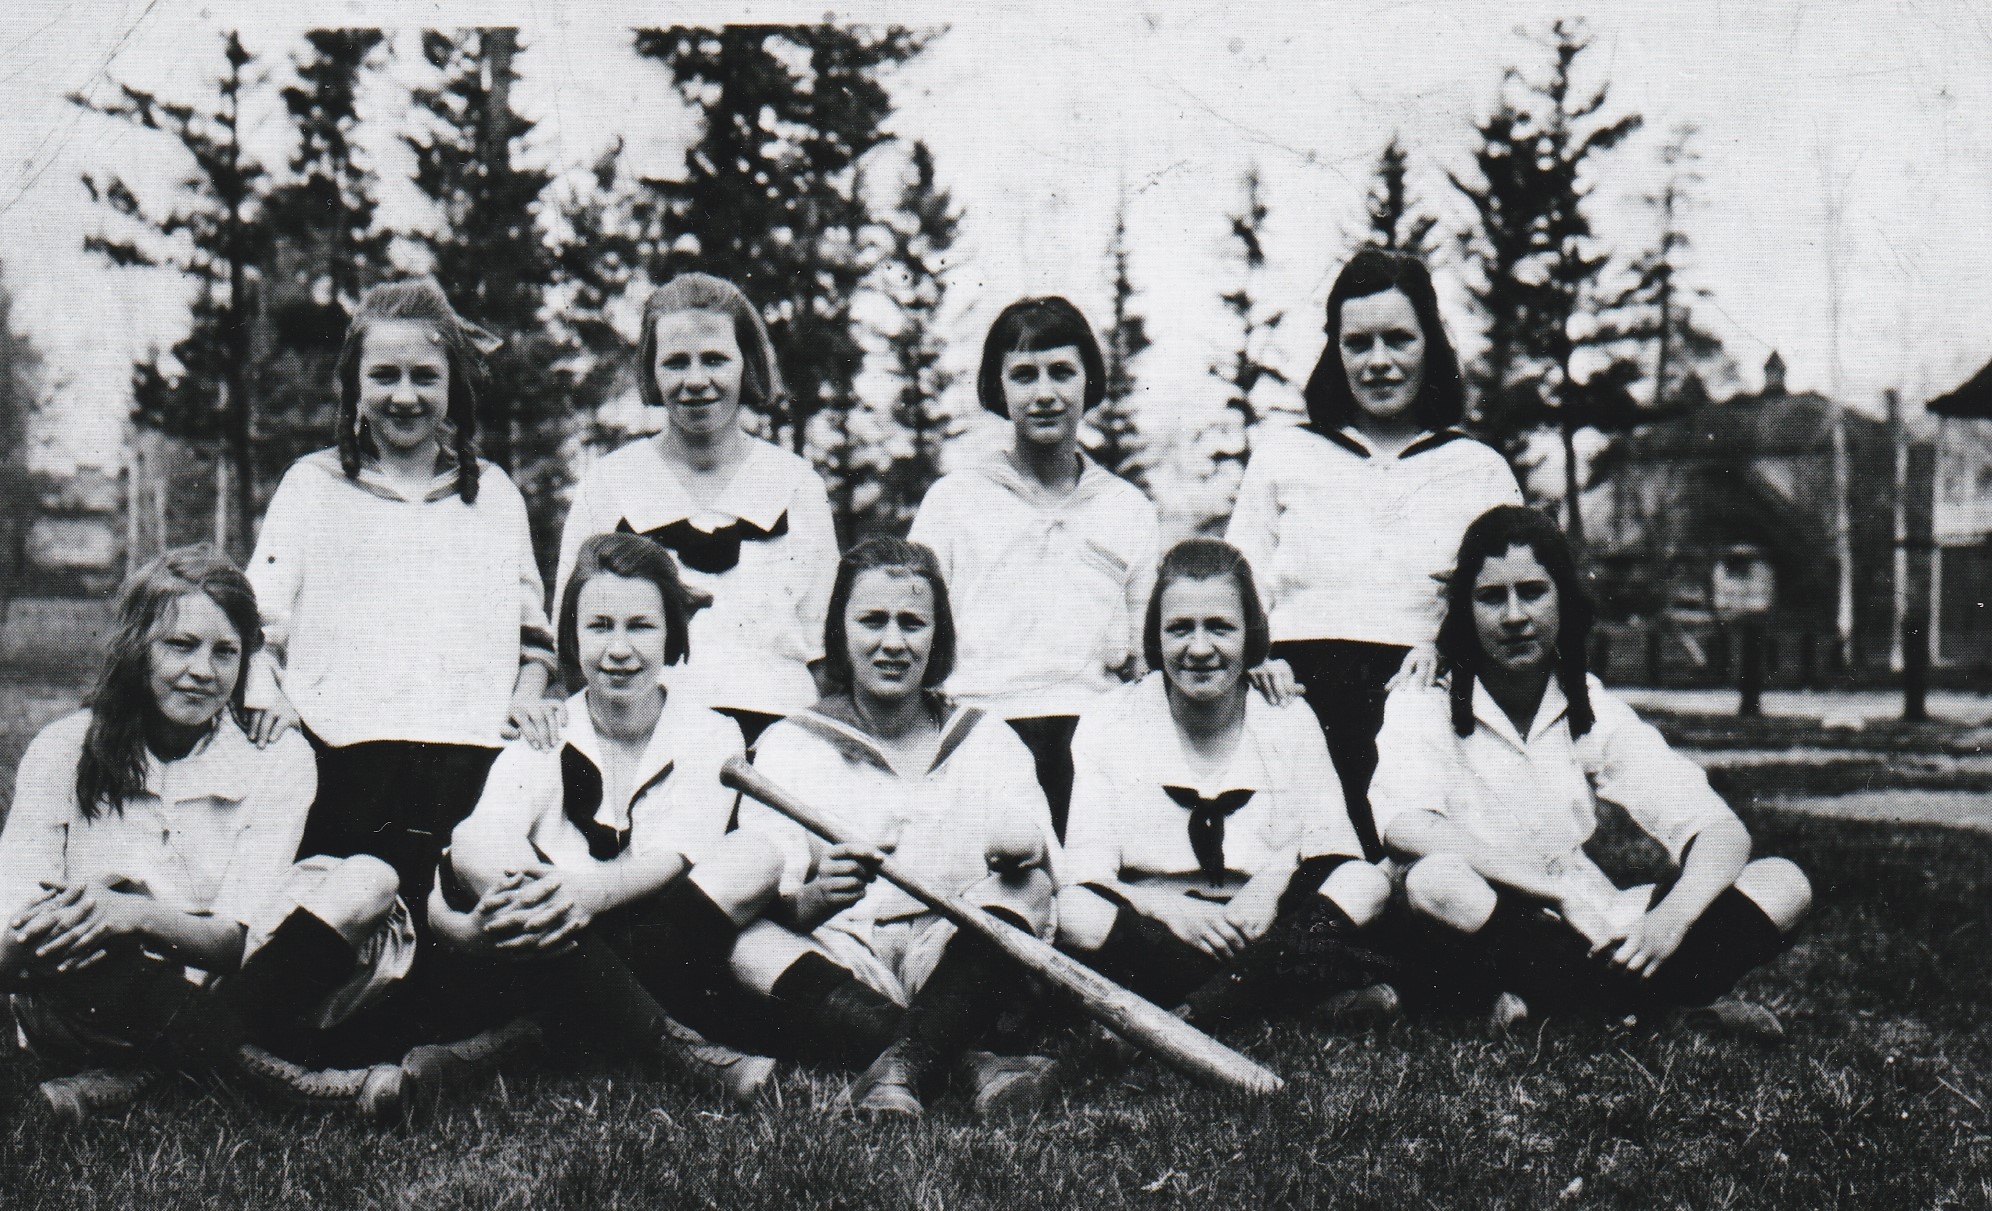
1347 542
766 550
1135 793
387 617
1048 590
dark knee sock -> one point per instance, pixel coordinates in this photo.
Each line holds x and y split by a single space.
1543 960
1729 940
968 991
828 1016
679 939
602 1006
304 961
1140 954
1309 953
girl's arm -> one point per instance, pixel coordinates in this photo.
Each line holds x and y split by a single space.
82 922
532 714
814 561
276 572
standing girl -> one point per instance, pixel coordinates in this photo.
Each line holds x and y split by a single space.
1048 554
403 610
748 521
1352 519
155 913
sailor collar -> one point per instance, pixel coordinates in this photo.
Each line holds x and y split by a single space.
755 493
835 720
1093 480
375 482
1169 764
1348 438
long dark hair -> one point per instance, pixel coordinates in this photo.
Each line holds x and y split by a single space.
637 558
463 345
1441 398
1207 559
111 769
761 387
1491 535
897 554
1032 326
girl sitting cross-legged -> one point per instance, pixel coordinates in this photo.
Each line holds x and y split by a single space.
155 913
1492 784
598 881
1210 860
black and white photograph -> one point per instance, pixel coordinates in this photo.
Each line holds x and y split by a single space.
1075 605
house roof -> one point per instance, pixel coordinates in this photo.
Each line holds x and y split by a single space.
1972 399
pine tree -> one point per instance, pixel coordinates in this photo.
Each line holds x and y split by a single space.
20 384
1393 226
202 393
770 196
492 259
1113 433
1541 268
1244 371
324 246
919 234
1664 302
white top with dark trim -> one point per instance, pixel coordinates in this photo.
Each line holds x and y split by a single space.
1048 590
981 776
1347 542
558 800
394 618
1536 794
1134 786
766 550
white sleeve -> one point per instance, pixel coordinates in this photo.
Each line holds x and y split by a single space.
1414 762
782 755
1309 779
934 528
1147 554
1092 835
1631 764
32 846
1254 526
579 526
268 845
813 533
276 572
536 642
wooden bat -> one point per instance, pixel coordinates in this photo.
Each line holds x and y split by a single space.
1155 1030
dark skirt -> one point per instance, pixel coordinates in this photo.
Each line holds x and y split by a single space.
1343 682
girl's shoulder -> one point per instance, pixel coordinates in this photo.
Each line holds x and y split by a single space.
58 742
769 462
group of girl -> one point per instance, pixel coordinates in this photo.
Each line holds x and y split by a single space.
337 826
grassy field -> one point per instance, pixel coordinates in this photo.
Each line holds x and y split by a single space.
1878 1099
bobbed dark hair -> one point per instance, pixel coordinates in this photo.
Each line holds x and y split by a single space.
1207 559
637 558
1031 326
1493 534
111 769
1442 397
895 555
761 387
463 345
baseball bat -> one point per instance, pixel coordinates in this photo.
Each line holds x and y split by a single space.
1155 1030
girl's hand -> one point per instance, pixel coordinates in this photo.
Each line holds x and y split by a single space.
1648 943
1252 914
532 913
1420 668
537 718
842 875
267 724
1275 682
1201 924
76 926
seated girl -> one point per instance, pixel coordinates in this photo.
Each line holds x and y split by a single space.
155 914
606 864
952 794
1493 786
1210 858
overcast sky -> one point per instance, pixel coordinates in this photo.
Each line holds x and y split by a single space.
1041 113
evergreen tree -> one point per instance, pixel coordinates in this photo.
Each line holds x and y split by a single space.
1393 226
1541 268
1245 370
214 236
324 247
919 234
20 386
492 259
1113 434
1664 304
770 196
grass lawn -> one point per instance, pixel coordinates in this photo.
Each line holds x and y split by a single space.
1878 1099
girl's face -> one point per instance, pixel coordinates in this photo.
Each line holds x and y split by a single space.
1203 637
404 385
193 661
619 634
1516 613
1383 354
1045 393
889 633
698 371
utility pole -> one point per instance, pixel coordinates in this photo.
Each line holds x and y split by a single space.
1898 436
1834 199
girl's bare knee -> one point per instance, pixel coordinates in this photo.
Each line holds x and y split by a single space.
1779 888
1085 918
1446 888
1359 890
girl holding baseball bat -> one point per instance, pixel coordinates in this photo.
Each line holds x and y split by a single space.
950 792
748 522
603 873
156 913
1210 862
1050 555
